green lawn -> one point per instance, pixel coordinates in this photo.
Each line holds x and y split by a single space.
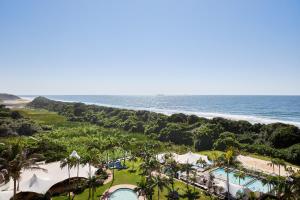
43 115
47 118
126 177
209 153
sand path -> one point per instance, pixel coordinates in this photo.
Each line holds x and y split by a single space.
262 165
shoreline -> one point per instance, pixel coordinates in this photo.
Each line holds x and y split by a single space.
208 115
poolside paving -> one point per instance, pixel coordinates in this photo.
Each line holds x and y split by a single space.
109 191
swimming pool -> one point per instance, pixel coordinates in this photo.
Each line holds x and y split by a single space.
221 173
123 194
258 186
249 182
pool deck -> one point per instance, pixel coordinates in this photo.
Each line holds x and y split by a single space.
107 193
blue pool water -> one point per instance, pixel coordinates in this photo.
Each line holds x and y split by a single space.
221 173
250 182
123 194
258 186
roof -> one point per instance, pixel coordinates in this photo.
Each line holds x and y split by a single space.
40 181
189 157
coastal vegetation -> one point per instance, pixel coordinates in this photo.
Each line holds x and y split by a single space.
4 96
58 134
275 140
49 131
12 123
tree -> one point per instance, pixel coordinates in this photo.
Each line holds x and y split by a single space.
133 159
202 162
267 181
160 183
112 144
194 179
15 158
280 163
191 195
225 140
272 164
93 183
92 158
173 168
142 188
187 168
204 136
173 195
211 178
285 136
240 175
228 156
214 157
68 162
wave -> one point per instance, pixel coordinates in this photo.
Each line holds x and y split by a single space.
209 115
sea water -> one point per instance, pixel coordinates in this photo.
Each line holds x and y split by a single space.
255 109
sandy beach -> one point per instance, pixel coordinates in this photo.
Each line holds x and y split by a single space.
19 103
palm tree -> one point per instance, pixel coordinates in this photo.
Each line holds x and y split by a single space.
272 164
187 168
190 194
112 145
142 188
150 165
173 195
68 162
93 183
14 159
288 192
279 164
133 159
240 175
214 157
228 157
267 181
173 168
160 183
201 162
211 178
194 179
289 170
92 158
77 161
125 142
279 186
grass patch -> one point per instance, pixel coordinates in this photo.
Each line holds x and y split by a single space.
127 177
209 153
45 117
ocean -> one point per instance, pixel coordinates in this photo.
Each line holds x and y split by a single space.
255 109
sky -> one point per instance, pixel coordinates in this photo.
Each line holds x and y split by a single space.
145 47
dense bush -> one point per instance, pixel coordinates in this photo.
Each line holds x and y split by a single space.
12 123
277 140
